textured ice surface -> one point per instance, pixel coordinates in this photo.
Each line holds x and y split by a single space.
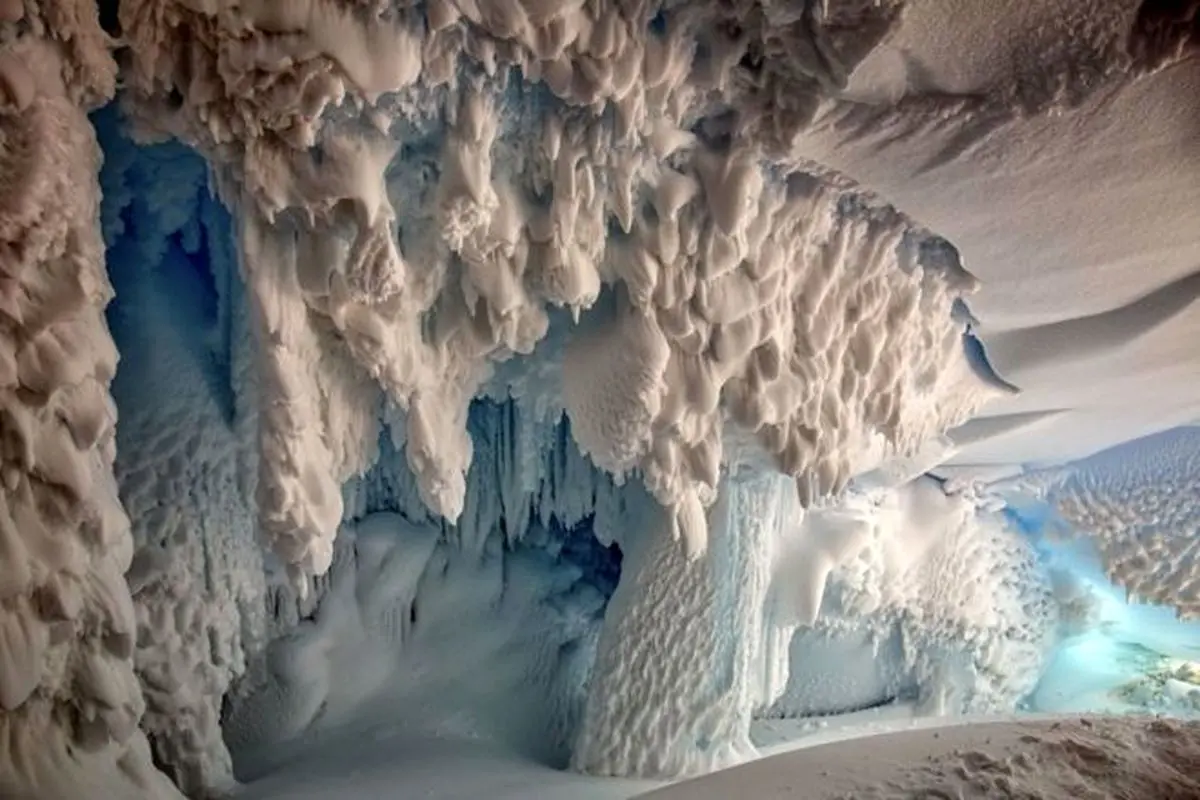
937 599
414 608
1141 503
420 636
185 456
415 186
686 654
69 699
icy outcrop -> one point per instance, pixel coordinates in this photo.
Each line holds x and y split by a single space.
957 611
69 700
1140 504
416 185
686 656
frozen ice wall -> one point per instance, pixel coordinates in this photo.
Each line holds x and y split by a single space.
69 699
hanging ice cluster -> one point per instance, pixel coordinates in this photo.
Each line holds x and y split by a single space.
417 184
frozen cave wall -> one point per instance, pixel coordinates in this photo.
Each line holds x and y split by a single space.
185 456
346 223
416 188
70 702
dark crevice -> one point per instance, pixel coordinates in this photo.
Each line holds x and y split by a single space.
1163 30
109 17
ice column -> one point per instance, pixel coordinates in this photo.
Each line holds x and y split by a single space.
185 448
685 656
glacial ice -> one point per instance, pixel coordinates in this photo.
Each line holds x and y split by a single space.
528 346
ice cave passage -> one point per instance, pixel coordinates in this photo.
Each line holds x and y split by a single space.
382 382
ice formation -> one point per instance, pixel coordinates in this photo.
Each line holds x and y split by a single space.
69 700
537 305
406 221
956 612
1140 502
415 186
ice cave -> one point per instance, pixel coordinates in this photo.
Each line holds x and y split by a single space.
593 399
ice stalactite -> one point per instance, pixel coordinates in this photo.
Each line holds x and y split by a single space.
417 185
526 473
69 699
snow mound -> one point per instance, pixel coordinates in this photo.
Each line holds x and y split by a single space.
397 641
1105 758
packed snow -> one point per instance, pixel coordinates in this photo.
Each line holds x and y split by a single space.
564 400
1109 758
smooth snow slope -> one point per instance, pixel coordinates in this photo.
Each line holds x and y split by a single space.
1055 143
1105 759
